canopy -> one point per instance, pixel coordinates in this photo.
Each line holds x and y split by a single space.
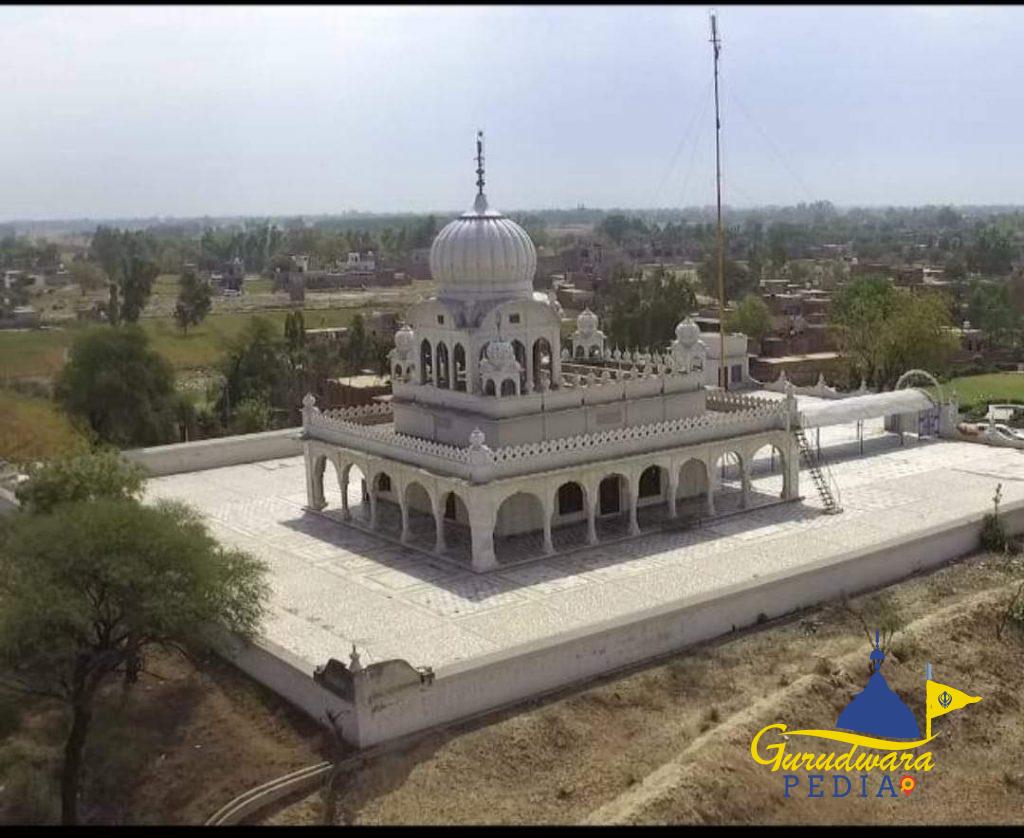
870 406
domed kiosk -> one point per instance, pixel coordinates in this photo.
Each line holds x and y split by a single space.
497 435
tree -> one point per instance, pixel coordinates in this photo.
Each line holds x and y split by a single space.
992 252
643 312
87 275
751 317
194 301
119 386
103 474
884 330
738 280
88 590
990 307
356 345
127 258
255 367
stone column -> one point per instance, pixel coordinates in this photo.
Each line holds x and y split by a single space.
438 509
314 484
371 490
403 507
673 490
549 511
709 505
633 493
592 498
343 484
745 484
482 515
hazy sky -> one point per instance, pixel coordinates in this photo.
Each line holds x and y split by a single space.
121 111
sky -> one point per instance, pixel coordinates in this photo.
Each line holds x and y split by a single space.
120 111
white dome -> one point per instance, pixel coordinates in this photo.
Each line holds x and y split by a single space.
687 332
483 254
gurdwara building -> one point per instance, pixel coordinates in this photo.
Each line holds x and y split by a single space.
502 441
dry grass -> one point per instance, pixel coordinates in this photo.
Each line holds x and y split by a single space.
33 429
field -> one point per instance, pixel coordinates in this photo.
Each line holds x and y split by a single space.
33 428
997 387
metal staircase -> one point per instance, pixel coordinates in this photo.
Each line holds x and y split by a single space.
828 489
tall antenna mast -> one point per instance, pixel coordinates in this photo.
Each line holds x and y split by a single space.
723 373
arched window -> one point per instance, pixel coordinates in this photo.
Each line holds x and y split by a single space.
520 352
489 387
443 379
508 387
459 368
542 361
426 363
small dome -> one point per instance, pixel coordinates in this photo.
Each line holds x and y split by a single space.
405 338
687 332
586 323
483 254
500 353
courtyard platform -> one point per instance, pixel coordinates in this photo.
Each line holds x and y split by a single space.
336 586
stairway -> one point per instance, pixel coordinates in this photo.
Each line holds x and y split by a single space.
822 483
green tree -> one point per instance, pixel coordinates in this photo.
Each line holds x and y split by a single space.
356 345
120 387
992 251
990 307
255 367
102 474
643 312
738 280
128 259
884 330
87 275
751 317
194 301
89 590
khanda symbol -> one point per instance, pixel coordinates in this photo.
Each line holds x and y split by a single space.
945 699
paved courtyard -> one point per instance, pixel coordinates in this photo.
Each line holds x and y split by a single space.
335 586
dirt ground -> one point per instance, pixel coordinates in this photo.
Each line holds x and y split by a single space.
184 743
671 742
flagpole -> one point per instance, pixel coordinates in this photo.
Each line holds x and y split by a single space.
723 369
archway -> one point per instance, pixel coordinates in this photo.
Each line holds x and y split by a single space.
652 495
727 480
458 540
581 352
520 353
519 527
693 492
508 387
767 473
426 363
420 514
386 499
569 516
353 482
459 368
542 362
613 503
443 371
489 387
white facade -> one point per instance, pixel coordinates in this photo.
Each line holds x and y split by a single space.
497 431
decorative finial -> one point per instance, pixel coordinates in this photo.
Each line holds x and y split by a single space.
480 162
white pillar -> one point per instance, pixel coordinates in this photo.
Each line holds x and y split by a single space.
673 490
404 509
548 506
482 516
371 490
343 483
593 498
744 483
438 510
709 506
633 493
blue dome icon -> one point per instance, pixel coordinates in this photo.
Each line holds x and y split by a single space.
877 710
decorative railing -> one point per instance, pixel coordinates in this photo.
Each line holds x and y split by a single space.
480 464
820 389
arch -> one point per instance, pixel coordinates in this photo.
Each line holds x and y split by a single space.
596 352
728 479
508 386
766 468
519 526
420 512
398 372
612 495
385 503
357 494
520 353
570 500
319 469
653 495
459 375
694 487
443 378
901 382
426 363
489 387
543 361
581 352
652 483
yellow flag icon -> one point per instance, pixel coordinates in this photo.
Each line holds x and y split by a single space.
941 699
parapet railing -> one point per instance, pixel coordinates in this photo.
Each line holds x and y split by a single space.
734 415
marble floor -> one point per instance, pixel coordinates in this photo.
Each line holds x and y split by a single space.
336 585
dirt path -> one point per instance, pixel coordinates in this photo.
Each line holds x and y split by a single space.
670 743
